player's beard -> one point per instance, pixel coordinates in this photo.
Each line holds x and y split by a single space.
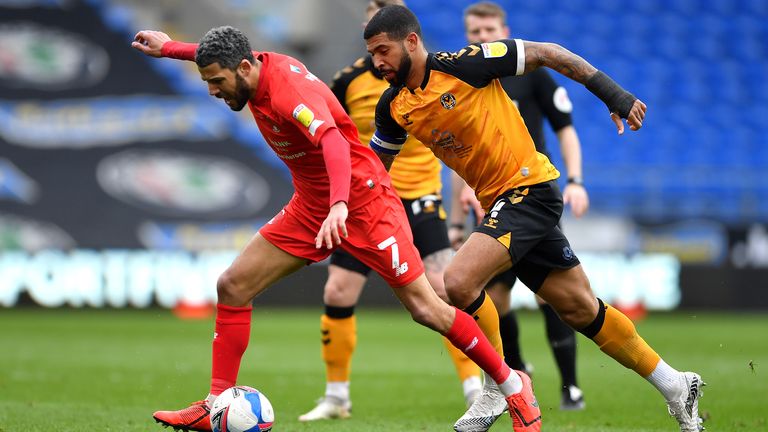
242 93
403 69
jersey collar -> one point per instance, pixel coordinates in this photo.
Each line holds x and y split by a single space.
261 87
427 71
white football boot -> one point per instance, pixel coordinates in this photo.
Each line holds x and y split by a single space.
484 411
472 388
685 409
328 408
572 399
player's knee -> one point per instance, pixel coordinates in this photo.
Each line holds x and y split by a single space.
577 314
423 315
229 290
575 303
334 293
436 281
459 288
343 288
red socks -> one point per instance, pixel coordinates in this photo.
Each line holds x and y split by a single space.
230 338
467 336
233 329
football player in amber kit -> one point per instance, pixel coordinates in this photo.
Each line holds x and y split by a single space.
454 104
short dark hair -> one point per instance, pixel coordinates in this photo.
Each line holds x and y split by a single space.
226 46
486 9
396 21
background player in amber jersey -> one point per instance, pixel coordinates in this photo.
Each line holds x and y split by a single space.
455 105
416 179
536 96
342 199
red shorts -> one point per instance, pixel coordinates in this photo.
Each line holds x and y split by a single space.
379 236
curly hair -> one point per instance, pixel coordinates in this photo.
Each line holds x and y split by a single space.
396 21
226 46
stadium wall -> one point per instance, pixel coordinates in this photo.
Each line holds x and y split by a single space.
141 279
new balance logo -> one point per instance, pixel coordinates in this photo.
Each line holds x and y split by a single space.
402 269
471 345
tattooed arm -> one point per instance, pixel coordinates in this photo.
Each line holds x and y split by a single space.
621 103
555 57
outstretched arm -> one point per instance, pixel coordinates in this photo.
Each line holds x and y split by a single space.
555 57
158 44
621 103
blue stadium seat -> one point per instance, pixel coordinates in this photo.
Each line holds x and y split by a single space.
756 7
685 7
703 151
647 7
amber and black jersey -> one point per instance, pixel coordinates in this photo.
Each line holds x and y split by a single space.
462 113
538 96
358 87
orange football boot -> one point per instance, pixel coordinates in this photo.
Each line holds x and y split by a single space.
192 418
524 409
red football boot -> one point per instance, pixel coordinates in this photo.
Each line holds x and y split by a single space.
524 409
192 418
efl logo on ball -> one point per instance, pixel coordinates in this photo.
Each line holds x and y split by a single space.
242 409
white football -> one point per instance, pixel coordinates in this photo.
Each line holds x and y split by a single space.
242 409
223 400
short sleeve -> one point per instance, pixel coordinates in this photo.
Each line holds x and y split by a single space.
478 64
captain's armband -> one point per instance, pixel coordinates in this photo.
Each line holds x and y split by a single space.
387 145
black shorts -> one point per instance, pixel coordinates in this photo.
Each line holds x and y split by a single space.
525 221
508 278
426 217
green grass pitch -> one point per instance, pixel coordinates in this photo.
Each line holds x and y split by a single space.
78 370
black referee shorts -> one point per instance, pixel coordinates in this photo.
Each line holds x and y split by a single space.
525 221
426 217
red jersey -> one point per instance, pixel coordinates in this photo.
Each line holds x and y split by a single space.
293 109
